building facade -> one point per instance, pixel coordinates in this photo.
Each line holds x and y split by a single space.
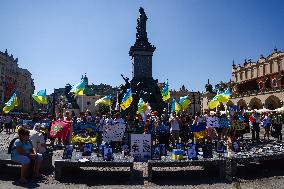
257 85
195 99
15 79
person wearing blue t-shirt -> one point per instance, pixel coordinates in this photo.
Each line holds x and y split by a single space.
23 152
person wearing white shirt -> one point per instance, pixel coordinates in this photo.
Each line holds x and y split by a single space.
174 124
211 123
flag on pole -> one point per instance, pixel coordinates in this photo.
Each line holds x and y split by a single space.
105 100
40 97
184 102
175 106
117 103
13 102
166 91
199 130
78 88
143 108
126 100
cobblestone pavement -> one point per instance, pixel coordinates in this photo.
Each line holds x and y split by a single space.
267 175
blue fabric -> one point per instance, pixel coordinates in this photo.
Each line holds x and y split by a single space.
25 159
26 146
224 122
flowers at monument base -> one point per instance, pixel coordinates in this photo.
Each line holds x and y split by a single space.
81 139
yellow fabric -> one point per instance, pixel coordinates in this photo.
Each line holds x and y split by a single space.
177 157
200 135
213 104
126 103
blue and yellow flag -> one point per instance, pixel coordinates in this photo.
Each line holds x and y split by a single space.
126 100
224 96
40 97
175 106
105 100
184 102
213 104
13 102
166 91
78 88
142 106
199 130
219 98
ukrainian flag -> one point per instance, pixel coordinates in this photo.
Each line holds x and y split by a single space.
166 91
105 100
184 102
142 106
126 100
199 130
213 104
40 97
13 102
175 106
78 88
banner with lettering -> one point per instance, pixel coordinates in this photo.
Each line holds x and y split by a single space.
113 132
141 147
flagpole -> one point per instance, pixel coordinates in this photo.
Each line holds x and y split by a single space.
82 103
168 106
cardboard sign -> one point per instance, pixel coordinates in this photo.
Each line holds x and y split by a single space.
87 150
141 147
207 151
113 132
156 152
163 149
220 147
236 146
192 151
67 153
108 155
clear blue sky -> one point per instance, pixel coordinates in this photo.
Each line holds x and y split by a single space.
59 40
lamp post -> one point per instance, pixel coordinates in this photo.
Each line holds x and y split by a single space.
193 96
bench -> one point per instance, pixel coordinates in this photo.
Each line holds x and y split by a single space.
60 164
219 163
5 159
233 163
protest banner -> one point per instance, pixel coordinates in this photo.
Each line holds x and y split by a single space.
141 147
113 132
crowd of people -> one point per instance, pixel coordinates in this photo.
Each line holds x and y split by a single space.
166 129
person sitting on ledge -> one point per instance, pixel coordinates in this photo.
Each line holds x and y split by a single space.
23 152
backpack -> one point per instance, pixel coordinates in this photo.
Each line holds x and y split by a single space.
11 145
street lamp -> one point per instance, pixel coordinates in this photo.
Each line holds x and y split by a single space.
193 96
